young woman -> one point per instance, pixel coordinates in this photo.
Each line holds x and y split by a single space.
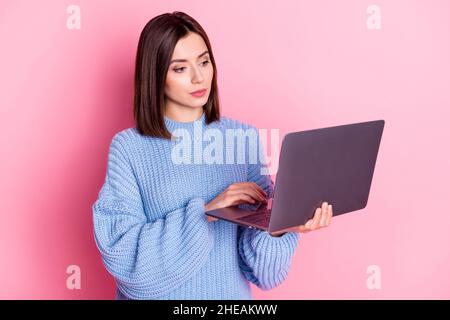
149 219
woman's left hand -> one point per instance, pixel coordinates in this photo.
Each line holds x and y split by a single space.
322 218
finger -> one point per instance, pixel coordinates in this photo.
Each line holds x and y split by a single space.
250 185
253 192
324 217
316 219
303 229
256 188
246 191
309 223
211 219
260 189
330 214
242 198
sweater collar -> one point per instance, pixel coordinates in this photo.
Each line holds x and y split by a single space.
172 124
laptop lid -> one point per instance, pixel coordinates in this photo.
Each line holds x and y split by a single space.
333 164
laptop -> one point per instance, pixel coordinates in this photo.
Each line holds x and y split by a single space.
333 164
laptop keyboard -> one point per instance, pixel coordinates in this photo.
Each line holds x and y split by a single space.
260 217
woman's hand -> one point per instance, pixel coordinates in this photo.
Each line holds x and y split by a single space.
235 194
322 218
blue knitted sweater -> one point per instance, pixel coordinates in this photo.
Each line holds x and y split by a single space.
152 232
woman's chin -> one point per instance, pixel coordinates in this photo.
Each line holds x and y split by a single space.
198 104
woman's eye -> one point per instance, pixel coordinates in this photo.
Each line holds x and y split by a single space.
177 69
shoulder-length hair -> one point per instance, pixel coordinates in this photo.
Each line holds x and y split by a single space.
156 44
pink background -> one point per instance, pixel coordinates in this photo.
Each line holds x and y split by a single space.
292 65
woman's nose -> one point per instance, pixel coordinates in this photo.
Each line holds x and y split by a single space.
198 76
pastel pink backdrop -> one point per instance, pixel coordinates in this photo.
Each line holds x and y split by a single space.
292 65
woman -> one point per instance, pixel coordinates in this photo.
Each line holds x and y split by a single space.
149 219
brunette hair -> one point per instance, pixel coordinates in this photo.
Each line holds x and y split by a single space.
156 44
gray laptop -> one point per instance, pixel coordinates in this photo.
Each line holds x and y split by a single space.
333 164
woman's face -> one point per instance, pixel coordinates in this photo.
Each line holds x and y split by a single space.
194 72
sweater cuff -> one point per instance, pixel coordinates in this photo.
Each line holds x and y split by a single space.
268 245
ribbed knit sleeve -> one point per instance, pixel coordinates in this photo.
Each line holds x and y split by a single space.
264 259
146 258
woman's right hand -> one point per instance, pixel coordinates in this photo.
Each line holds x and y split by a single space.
235 194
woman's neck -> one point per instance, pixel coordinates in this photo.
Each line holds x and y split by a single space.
183 114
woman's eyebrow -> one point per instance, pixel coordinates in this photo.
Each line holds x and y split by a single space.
184 60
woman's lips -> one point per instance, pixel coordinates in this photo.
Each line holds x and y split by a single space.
199 93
